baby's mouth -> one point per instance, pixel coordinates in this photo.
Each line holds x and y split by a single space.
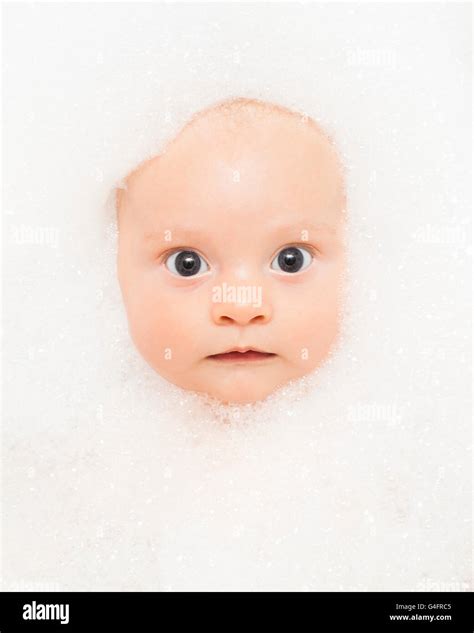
242 355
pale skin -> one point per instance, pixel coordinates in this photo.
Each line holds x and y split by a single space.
253 198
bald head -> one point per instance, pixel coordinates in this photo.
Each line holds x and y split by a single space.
238 113
236 126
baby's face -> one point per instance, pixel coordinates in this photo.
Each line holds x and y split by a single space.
231 255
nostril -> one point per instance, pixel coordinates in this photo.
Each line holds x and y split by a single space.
225 319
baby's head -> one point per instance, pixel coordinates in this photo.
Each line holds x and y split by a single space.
231 251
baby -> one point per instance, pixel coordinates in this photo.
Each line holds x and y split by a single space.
231 251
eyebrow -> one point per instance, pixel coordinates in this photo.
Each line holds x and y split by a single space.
186 232
301 225
190 233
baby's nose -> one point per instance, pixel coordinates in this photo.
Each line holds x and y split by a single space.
239 305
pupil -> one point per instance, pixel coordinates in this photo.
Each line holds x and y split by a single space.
187 263
290 260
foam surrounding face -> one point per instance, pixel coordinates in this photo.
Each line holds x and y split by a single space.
233 239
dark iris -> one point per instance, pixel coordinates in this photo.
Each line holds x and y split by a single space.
290 259
187 263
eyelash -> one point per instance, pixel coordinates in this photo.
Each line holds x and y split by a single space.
305 247
308 247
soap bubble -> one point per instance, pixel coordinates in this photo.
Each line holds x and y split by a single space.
118 480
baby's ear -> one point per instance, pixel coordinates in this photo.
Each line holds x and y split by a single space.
120 192
122 184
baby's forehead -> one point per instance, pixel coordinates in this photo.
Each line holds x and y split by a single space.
269 139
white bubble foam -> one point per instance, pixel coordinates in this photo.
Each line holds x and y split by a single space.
356 477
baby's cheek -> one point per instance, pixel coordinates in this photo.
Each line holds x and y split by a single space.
311 325
165 328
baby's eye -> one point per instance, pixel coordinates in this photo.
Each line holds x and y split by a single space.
186 263
292 259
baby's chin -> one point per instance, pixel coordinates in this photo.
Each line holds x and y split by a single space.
239 385
238 394
231 397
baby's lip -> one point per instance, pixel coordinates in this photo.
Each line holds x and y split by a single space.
242 350
242 354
